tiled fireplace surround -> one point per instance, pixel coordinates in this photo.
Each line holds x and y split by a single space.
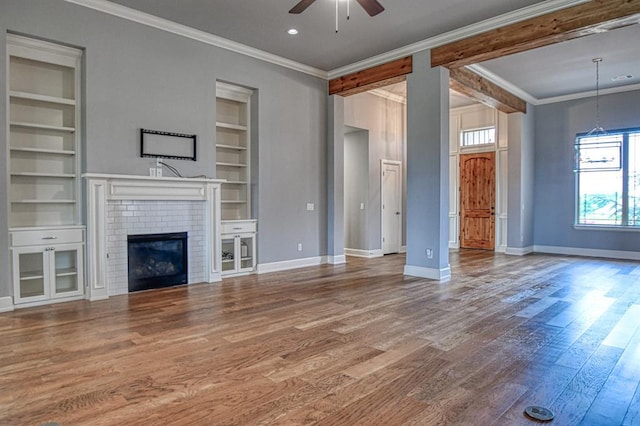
133 217
119 205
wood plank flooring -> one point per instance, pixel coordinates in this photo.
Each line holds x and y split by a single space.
357 344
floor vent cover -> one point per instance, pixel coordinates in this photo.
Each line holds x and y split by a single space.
539 413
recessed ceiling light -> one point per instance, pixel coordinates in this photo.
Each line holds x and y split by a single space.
292 31
622 77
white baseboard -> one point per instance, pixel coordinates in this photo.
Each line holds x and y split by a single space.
576 251
336 260
442 275
369 254
285 265
6 304
518 251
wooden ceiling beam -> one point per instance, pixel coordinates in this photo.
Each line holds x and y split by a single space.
468 83
566 24
372 78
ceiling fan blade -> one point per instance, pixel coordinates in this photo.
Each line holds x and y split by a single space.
372 7
302 6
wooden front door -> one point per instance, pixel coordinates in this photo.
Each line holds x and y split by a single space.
477 200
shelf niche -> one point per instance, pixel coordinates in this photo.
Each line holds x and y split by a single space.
44 114
233 153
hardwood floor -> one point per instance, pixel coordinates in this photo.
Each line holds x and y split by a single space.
358 344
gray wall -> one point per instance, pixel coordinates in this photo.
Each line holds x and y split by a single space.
356 188
385 120
137 76
555 196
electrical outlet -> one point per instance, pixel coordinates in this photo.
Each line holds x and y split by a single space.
310 207
158 163
299 246
429 253
361 206
152 171
159 172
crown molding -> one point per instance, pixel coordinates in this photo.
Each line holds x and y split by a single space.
133 15
505 84
589 94
529 12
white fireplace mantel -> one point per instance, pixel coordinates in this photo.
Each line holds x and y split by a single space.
102 188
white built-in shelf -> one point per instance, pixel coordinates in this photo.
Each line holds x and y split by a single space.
46 175
233 157
43 127
44 202
231 164
31 275
70 272
237 148
41 98
45 151
231 126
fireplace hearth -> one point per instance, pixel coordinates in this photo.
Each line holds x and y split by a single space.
157 260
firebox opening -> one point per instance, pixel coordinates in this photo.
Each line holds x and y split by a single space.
157 260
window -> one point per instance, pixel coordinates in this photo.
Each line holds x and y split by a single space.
608 179
476 137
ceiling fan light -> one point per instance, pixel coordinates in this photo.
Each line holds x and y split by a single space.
292 31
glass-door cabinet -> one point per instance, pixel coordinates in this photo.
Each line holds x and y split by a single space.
238 253
47 272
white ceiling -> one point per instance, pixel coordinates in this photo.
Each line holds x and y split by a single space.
558 70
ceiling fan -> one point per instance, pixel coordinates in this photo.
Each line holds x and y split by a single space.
372 7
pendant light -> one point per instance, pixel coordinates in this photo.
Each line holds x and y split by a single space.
598 129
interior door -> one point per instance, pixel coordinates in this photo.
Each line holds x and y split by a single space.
391 207
477 200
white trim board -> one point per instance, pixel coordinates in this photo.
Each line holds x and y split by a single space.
442 275
337 260
577 251
518 251
6 304
204 37
368 254
264 268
